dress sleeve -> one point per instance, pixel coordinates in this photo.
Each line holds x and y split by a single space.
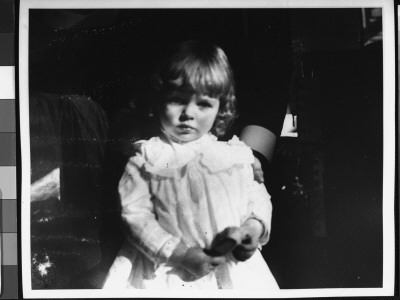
138 213
259 204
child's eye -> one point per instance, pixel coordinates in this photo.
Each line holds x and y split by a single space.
175 100
204 104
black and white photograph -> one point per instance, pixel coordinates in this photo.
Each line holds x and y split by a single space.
207 149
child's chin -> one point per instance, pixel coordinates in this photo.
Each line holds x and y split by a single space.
186 138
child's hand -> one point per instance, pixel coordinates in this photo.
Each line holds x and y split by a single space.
258 171
251 232
200 264
196 261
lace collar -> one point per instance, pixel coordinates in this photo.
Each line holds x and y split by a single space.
170 159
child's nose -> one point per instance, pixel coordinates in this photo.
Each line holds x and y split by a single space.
188 111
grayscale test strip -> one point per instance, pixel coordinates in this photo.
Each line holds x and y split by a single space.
8 189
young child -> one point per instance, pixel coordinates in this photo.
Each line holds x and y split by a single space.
195 215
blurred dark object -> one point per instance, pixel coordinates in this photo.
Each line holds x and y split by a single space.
64 245
372 25
69 133
327 190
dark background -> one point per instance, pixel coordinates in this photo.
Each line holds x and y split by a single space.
326 184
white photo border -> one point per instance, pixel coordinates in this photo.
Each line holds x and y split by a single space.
388 26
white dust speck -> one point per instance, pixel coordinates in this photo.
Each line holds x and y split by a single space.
43 267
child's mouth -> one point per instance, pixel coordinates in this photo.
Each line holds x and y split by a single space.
186 128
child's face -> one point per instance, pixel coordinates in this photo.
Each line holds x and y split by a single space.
187 116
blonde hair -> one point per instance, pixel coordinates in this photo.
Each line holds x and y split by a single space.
201 68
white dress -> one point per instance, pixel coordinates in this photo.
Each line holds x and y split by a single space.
190 192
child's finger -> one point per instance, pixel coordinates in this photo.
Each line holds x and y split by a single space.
217 260
234 233
257 170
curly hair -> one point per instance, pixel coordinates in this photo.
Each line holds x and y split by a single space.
201 68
